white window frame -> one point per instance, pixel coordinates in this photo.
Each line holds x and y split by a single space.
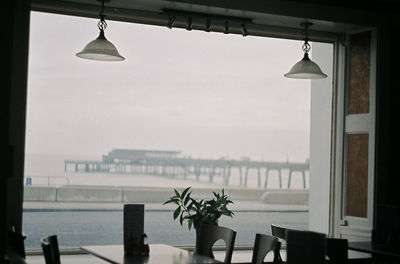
350 227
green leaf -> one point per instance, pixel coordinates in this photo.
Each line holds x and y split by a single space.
190 206
195 203
171 201
177 193
199 211
177 212
184 192
187 199
181 219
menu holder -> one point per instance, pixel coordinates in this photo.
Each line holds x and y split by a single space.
135 240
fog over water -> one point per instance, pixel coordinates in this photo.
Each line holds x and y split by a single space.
40 166
206 94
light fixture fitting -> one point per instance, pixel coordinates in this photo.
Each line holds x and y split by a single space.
189 23
182 19
306 68
101 49
171 22
226 26
244 30
208 25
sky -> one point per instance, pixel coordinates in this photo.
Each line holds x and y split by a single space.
206 94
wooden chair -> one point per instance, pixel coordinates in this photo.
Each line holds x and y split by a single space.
209 234
50 250
16 242
336 250
263 244
279 232
305 247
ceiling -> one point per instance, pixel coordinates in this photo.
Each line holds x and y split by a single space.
270 18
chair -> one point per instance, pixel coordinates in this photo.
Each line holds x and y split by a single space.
279 232
209 234
16 242
336 250
305 247
50 250
263 244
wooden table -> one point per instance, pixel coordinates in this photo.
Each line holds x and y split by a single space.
377 251
12 257
159 253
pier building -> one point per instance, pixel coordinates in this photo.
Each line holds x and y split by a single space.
170 164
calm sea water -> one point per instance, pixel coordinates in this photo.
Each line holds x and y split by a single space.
105 227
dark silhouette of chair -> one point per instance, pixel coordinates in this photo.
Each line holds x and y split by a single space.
209 234
336 250
50 250
305 247
263 244
280 232
16 242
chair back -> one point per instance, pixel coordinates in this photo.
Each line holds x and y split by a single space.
16 242
305 247
50 250
263 244
336 250
209 234
279 231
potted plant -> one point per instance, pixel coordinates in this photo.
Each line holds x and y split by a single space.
199 212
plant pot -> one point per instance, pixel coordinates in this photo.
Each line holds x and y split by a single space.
197 239
197 229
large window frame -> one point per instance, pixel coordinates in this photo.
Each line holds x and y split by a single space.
14 214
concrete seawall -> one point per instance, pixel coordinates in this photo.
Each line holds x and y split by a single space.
104 194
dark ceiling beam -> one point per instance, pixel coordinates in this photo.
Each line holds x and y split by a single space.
161 19
320 10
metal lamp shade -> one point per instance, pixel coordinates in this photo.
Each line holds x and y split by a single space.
100 49
306 69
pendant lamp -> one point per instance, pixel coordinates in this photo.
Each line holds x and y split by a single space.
306 68
101 49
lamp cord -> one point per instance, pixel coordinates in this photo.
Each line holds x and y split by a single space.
102 24
306 46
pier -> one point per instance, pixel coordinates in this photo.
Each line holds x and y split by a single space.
170 164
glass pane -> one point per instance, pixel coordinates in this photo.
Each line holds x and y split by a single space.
357 175
359 73
205 110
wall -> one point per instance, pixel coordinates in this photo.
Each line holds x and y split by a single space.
320 141
109 194
12 114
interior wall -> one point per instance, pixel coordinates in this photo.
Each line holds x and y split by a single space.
13 105
387 181
320 140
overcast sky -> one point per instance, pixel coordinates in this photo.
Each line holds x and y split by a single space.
205 94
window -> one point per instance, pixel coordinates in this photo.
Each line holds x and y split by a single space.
179 96
354 221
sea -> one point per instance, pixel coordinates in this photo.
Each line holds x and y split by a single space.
75 228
